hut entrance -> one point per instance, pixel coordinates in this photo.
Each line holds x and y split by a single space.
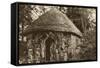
48 45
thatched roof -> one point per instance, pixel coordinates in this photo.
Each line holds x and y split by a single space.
53 20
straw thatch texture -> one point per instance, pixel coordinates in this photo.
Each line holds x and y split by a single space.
53 20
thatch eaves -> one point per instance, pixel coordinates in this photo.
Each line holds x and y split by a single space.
53 20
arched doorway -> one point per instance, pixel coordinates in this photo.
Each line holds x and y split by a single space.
48 44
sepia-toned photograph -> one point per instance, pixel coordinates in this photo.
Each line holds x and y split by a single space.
56 33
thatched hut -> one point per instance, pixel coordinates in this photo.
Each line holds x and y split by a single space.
52 37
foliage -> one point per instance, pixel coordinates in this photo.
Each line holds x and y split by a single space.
83 18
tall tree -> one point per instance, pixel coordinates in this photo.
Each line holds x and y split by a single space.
24 20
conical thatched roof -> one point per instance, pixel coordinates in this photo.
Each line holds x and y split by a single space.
53 20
